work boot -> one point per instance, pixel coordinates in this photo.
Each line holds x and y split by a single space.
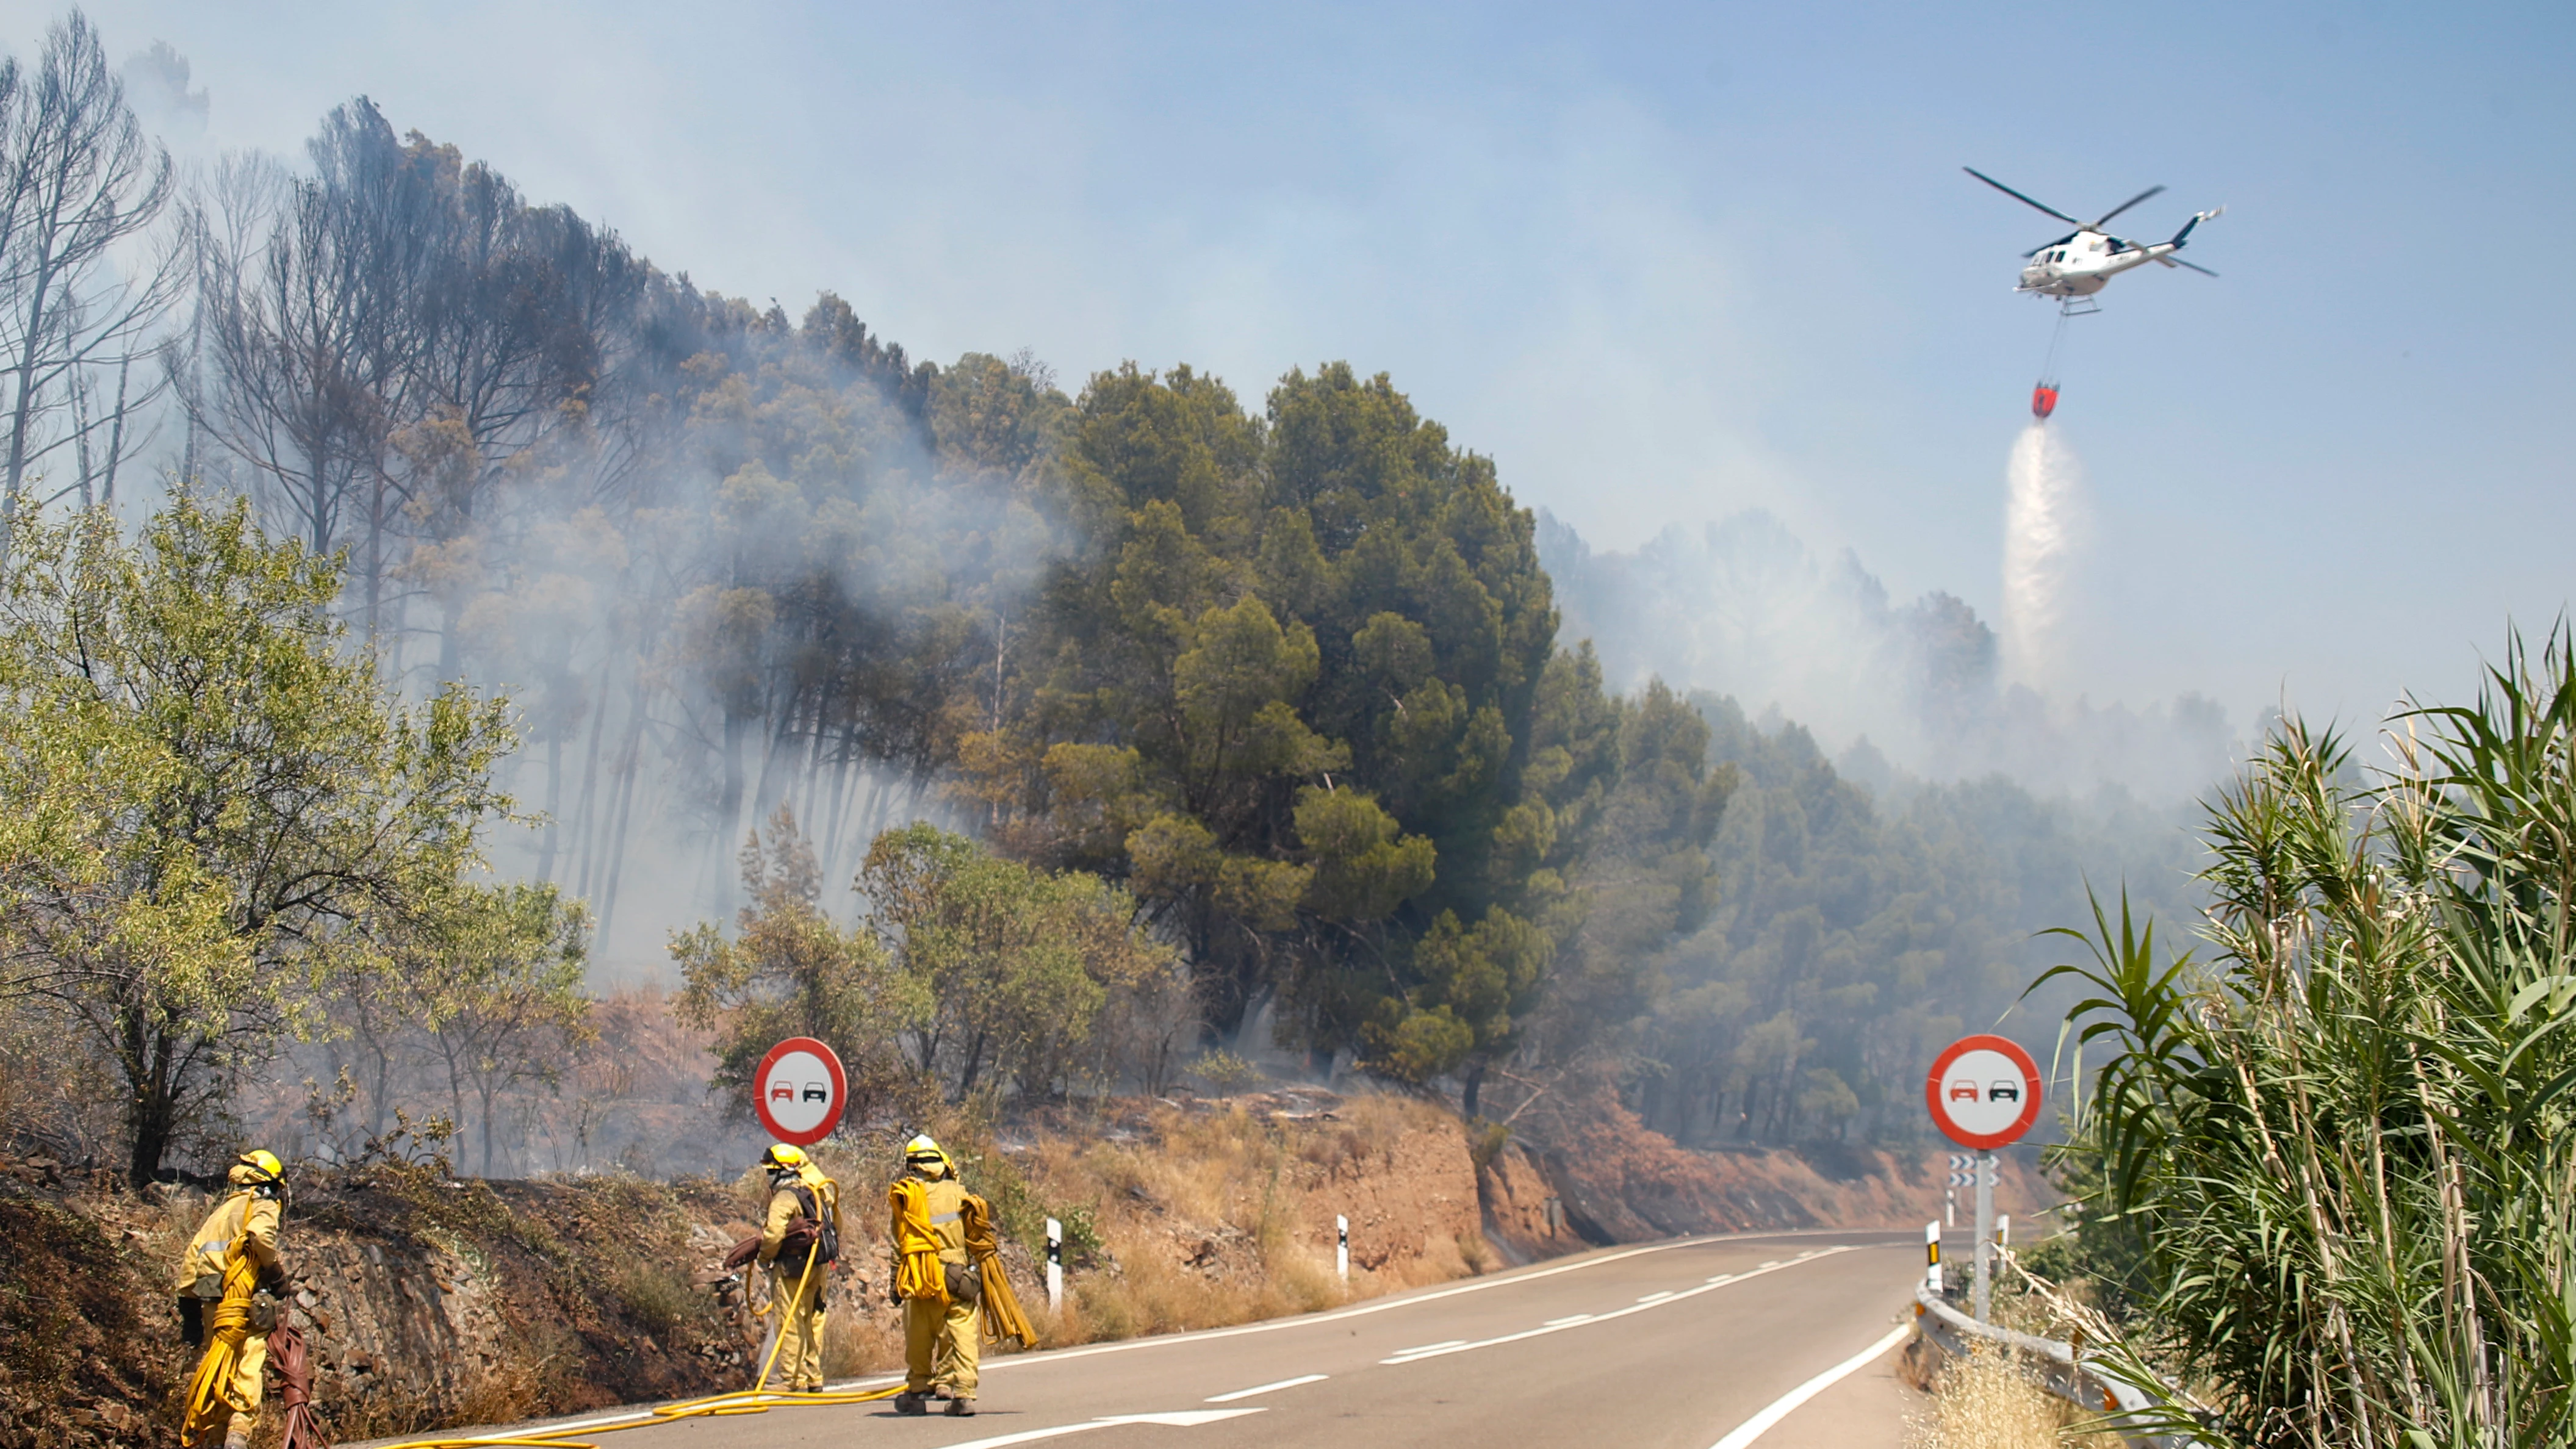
909 1402
961 1408
237 1433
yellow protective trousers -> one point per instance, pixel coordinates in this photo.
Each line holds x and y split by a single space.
800 1328
940 1347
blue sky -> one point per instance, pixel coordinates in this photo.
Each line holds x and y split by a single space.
1663 262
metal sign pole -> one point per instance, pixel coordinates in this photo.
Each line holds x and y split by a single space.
1982 1304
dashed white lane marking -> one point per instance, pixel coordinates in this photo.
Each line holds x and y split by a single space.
1430 1347
1438 1350
1568 1321
1656 1297
1760 1424
1382 1305
1266 1388
1186 1418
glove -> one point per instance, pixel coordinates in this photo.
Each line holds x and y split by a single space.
192 1320
272 1281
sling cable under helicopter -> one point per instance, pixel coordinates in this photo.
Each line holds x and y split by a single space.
2081 263
2043 397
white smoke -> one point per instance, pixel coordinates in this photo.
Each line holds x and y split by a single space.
2044 534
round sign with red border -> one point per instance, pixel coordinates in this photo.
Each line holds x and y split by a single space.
1983 1091
799 1091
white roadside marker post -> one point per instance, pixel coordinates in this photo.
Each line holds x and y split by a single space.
1342 1246
1055 1266
1932 1256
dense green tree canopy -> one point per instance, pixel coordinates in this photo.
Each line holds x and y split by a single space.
1290 693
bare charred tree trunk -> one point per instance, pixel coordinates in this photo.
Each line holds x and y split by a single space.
77 181
625 807
309 294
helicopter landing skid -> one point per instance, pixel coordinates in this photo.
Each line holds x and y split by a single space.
2077 307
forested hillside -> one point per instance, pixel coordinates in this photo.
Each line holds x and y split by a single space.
1856 932
1025 745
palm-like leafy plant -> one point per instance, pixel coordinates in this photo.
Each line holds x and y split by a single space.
2339 1148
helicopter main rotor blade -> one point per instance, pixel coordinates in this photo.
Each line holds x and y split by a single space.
2125 205
2024 200
2043 246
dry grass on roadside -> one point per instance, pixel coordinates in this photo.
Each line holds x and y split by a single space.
1195 1219
1986 1401
1199 1218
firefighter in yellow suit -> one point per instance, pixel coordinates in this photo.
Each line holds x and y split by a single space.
797 1189
230 1265
937 1282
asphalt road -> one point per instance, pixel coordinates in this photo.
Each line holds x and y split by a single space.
1667 1346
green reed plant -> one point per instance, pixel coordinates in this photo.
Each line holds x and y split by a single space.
2330 1162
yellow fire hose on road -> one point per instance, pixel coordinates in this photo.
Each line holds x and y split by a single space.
753 1400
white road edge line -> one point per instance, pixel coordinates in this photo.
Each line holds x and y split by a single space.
1430 1347
1760 1424
1443 1350
1266 1389
1185 1418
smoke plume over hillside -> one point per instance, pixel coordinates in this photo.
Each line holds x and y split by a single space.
1743 609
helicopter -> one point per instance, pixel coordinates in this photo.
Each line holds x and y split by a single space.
2084 261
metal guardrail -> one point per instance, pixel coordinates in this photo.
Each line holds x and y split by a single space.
2061 1369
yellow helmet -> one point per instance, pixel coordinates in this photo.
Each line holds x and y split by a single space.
257 1166
781 1154
922 1146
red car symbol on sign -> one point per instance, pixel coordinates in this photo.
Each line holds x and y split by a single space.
782 1093
1963 1091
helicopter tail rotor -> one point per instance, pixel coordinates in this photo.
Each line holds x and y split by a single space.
2197 218
2183 236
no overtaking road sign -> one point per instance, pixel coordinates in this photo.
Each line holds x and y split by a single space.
799 1091
1983 1091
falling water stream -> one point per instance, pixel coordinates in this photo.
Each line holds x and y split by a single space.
2043 533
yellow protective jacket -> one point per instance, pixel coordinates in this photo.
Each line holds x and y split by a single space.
244 1216
927 1228
784 1209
